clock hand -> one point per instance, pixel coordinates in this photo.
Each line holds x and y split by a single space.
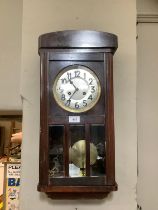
71 82
76 89
74 93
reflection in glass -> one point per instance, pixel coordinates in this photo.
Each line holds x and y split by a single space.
56 136
77 151
98 139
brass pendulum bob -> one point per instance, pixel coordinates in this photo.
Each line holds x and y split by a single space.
77 155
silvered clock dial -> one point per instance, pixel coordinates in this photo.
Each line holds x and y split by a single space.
76 89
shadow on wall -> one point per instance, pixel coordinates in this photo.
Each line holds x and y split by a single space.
43 197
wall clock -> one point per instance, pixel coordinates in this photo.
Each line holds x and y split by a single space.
77 150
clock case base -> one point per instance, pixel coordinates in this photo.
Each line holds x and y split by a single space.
78 192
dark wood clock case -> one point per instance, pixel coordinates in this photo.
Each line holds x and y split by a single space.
58 177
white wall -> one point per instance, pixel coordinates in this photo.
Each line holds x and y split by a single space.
147 113
10 54
147 108
147 6
117 17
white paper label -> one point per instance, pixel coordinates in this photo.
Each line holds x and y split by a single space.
74 119
13 170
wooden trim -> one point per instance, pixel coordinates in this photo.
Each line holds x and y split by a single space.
43 163
110 138
12 113
66 145
87 135
78 181
78 39
80 189
147 18
77 196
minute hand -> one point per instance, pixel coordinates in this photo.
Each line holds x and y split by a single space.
76 89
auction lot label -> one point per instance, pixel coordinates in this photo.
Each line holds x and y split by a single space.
13 186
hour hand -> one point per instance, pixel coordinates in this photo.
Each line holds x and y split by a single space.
71 82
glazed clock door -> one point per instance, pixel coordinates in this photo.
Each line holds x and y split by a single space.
76 117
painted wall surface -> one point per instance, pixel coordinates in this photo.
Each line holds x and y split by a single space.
10 54
147 6
114 16
147 112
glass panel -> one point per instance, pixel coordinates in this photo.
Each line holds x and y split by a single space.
56 164
98 142
77 151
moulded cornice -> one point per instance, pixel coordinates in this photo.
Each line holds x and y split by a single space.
147 18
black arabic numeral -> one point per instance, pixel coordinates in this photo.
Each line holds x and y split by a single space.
84 103
69 76
77 73
84 76
90 81
90 97
92 89
68 103
63 80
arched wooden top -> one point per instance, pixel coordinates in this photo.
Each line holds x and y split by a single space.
78 39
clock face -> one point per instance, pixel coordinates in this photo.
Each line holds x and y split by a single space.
76 89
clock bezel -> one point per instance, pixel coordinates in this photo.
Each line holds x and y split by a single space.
69 109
